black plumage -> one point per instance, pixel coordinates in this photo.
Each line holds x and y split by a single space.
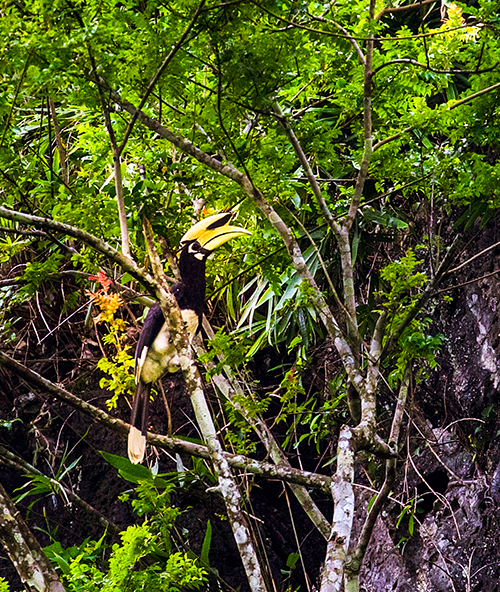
155 355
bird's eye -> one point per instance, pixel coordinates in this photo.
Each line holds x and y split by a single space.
195 247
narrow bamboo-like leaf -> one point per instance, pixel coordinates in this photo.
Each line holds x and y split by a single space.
205 549
355 245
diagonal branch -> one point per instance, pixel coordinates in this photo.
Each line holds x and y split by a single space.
14 100
231 390
465 263
311 177
120 427
340 234
294 251
296 25
63 153
99 245
159 72
226 481
354 43
117 165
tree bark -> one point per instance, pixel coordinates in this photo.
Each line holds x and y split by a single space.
226 481
343 515
32 565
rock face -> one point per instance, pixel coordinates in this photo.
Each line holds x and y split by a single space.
452 459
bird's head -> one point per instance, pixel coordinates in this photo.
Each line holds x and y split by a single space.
208 234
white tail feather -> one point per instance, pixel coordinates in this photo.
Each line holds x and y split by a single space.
136 445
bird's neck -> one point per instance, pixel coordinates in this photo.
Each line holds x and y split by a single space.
194 280
192 272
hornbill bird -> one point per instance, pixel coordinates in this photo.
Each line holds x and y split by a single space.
154 355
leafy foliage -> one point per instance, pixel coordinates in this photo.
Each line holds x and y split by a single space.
289 317
41 485
68 74
239 432
144 559
402 278
122 380
414 343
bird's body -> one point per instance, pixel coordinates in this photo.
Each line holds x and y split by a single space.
155 354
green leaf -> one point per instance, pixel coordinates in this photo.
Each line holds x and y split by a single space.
205 549
131 472
291 560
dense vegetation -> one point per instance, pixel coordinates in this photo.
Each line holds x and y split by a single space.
359 143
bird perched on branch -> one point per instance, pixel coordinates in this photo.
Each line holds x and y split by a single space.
155 355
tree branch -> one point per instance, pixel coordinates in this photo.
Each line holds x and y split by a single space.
20 464
341 236
343 516
227 485
354 562
311 177
159 72
403 8
117 165
427 67
122 428
16 94
25 552
354 43
465 263
37 233
99 245
367 128
295 25
231 390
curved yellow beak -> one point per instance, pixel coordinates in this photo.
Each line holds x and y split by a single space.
214 231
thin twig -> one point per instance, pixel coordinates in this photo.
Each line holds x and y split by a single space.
63 154
440 496
430 69
295 25
450 108
16 94
473 257
403 8
117 162
158 73
37 233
